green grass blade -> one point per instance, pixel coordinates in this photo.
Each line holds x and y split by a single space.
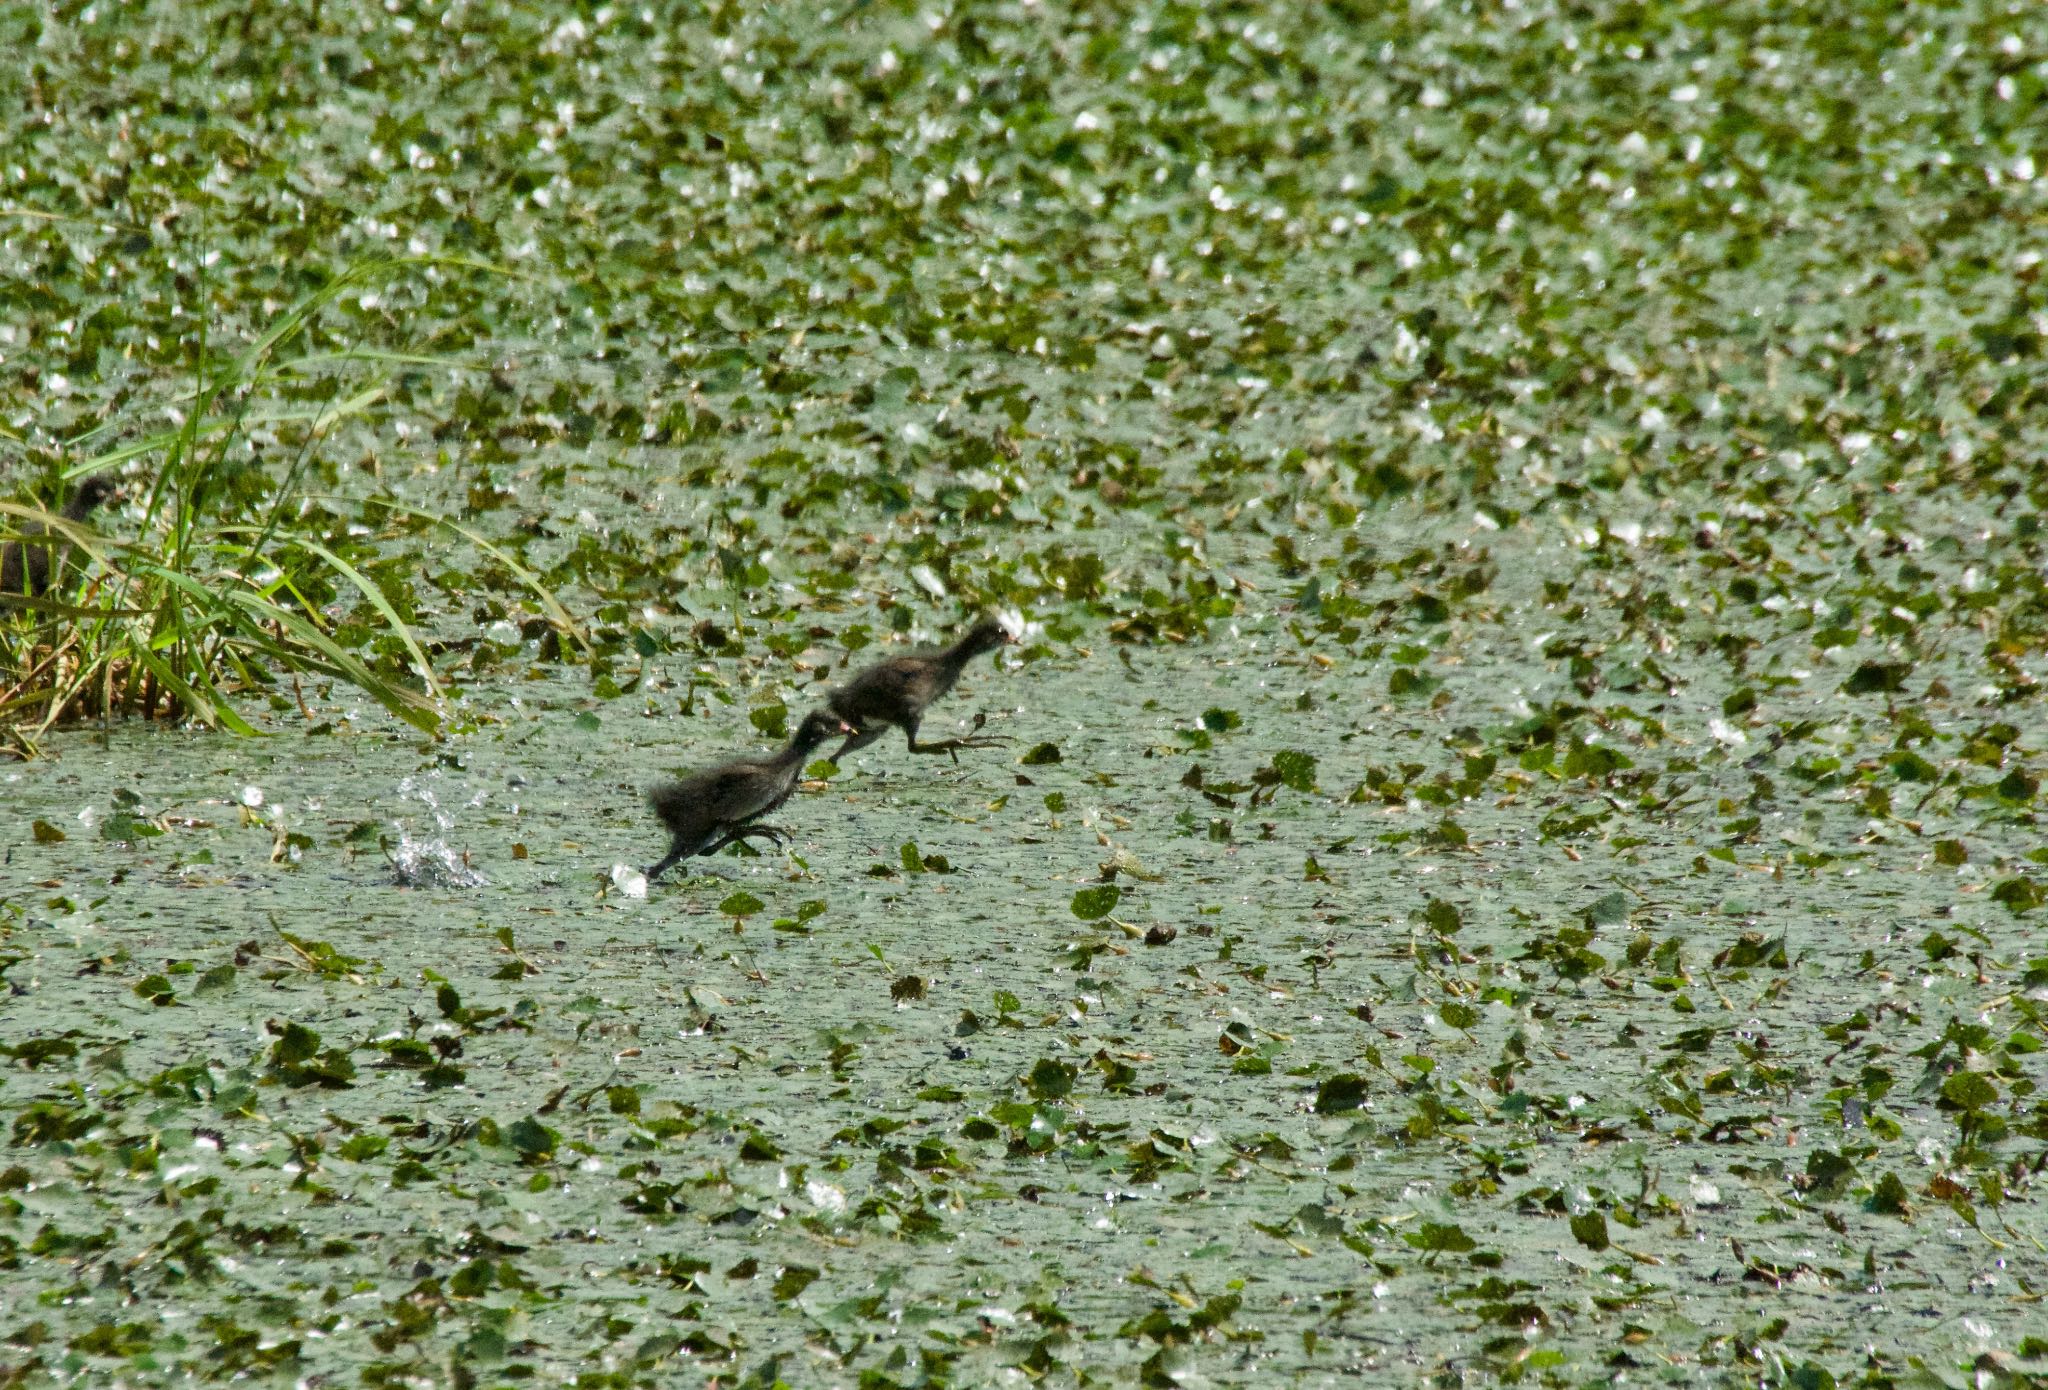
197 703
409 705
378 601
556 611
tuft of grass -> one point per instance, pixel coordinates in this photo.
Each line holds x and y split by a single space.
230 581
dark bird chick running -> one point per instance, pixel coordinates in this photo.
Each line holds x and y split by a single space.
708 810
26 568
895 693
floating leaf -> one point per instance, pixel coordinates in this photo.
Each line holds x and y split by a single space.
1607 910
1441 917
124 828
2018 895
1050 1080
1444 1239
1447 834
36 1052
793 1280
1093 904
1340 1093
297 1059
295 1043
1295 769
806 912
1968 1091
534 1141
1888 1197
1876 677
2017 788
1828 1173
740 904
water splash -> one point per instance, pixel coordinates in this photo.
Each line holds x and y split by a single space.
431 863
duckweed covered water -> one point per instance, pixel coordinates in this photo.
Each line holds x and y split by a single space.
1520 855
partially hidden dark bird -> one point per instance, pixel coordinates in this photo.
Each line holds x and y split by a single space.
28 568
708 810
895 693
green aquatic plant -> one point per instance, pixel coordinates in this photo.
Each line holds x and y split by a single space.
1536 517
235 580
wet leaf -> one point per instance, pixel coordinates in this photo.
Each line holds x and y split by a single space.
740 904
1607 910
298 1059
1968 1091
793 1280
1093 904
1341 1093
1437 1238
1875 677
771 720
532 1140
124 828
2018 894
1888 1197
1050 1080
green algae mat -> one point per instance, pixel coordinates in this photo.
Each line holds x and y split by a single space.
1518 858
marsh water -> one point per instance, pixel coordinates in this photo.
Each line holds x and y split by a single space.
1518 855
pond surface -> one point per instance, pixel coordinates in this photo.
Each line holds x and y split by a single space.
1519 855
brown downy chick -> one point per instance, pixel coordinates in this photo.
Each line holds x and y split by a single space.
708 810
895 693
28 569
